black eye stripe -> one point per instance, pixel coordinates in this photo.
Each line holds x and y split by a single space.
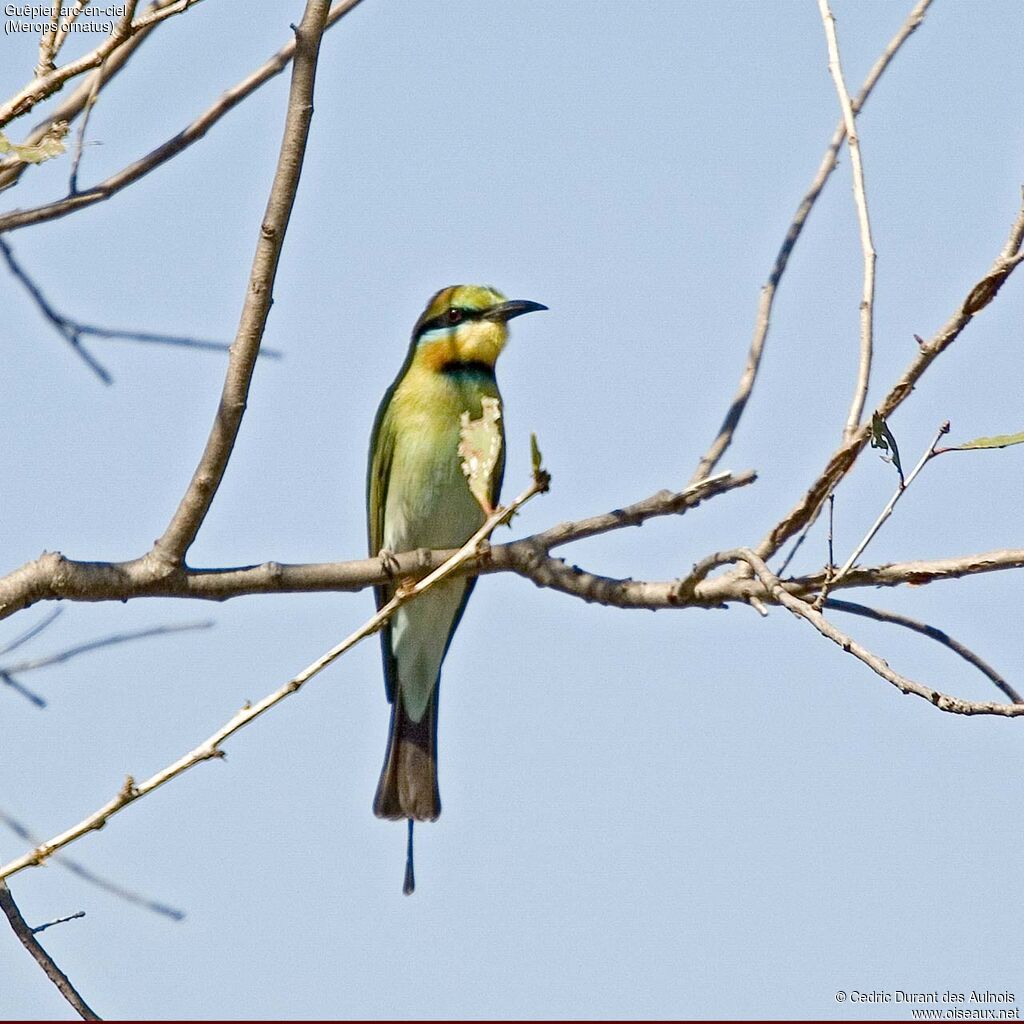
444 321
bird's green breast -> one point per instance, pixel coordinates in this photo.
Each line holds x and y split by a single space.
428 502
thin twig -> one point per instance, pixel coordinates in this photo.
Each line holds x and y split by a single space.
58 920
211 748
33 631
828 163
64 328
867 301
803 610
96 79
73 331
191 133
41 957
68 24
882 615
93 645
48 40
888 510
81 871
22 690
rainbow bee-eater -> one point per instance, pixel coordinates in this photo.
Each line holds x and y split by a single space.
418 497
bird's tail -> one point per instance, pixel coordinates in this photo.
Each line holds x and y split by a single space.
408 781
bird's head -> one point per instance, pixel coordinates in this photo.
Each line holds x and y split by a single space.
466 323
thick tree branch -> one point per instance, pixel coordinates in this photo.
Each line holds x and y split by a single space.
41 957
764 312
172 147
54 577
171 548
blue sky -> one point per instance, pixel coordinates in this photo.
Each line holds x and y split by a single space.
703 814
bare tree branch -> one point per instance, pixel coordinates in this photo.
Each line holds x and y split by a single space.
825 169
33 631
94 645
886 512
72 331
78 100
882 615
844 457
65 328
58 920
191 133
803 610
867 302
54 577
211 748
41 957
172 547
41 87
81 871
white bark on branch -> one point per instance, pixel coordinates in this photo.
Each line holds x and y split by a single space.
764 312
867 301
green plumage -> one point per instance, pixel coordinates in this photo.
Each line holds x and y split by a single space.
418 497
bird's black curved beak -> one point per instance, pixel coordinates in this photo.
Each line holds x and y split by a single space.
505 311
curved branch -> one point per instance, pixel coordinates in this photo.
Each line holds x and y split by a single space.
764 311
881 615
184 525
842 460
41 957
804 610
191 133
867 301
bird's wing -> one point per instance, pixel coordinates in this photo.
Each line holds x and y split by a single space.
378 476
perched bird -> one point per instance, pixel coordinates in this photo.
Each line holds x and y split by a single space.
418 497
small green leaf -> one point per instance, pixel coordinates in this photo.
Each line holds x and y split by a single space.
480 447
881 437
999 441
49 146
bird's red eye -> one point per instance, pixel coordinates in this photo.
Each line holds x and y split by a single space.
454 315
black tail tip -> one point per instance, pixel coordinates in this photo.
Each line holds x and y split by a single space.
409 884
